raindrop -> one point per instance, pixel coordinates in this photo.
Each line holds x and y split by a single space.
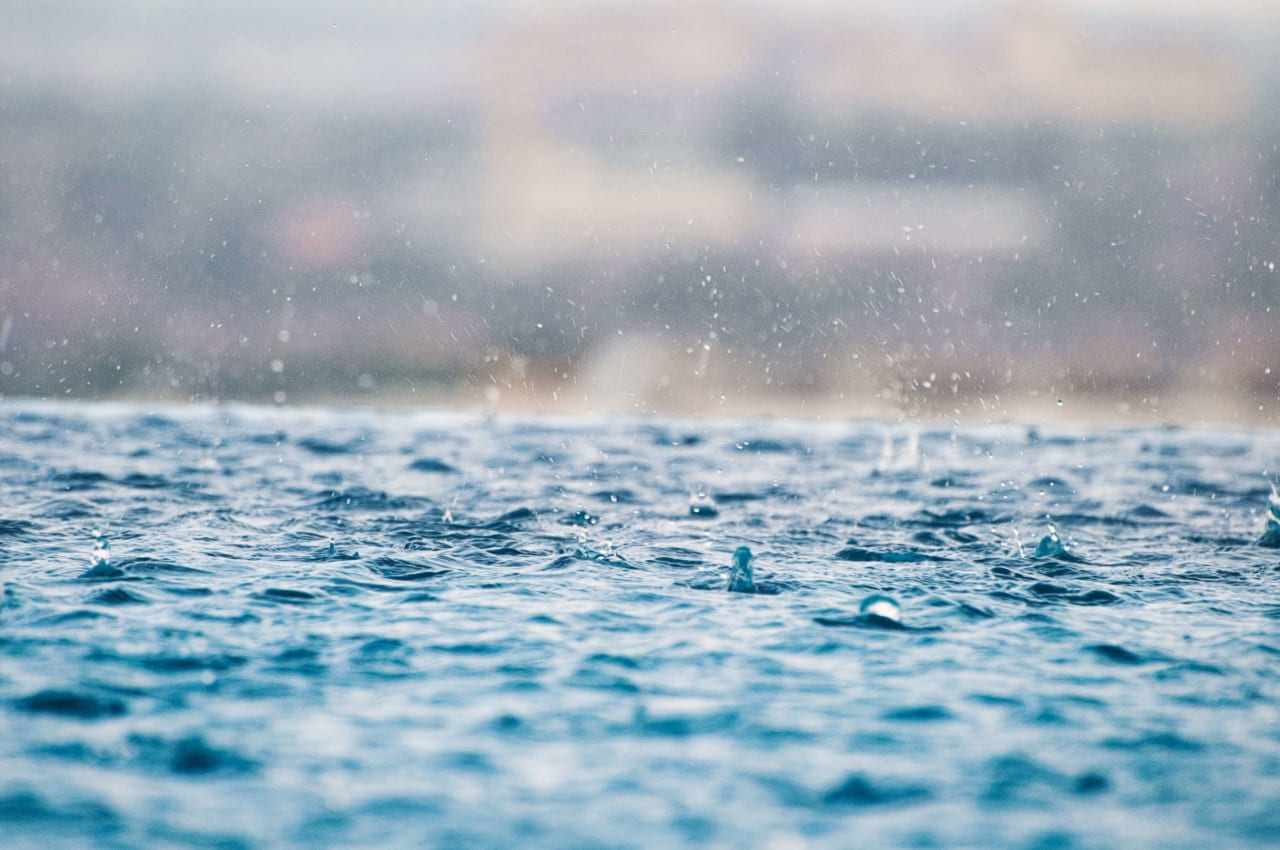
701 504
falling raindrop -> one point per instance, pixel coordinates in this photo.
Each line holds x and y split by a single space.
701 504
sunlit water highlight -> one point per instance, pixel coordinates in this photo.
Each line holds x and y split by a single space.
355 628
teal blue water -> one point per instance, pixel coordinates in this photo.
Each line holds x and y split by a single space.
253 627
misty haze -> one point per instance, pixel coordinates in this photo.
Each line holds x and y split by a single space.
685 207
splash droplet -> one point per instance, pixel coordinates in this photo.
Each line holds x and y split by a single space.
1051 545
1271 531
741 579
101 551
101 567
701 504
881 606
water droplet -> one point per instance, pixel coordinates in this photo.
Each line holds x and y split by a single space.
1051 545
879 605
701 504
101 551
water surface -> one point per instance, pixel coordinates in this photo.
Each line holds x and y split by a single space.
322 627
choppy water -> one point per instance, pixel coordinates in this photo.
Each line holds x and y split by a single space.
352 628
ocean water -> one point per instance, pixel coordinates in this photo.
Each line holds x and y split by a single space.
253 627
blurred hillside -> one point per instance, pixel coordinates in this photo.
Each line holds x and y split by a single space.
694 206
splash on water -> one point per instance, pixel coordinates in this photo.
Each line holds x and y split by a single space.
100 566
907 459
1017 543
1271 531
101 550
1051 545
702 505
741 579
882 607
601 553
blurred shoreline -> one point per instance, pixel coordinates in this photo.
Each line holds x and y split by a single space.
683 207
1077 410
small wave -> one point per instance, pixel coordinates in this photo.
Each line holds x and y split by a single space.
511 521
72 704
960 518
765 445
893 556
917 714
90 820
1116 654
364 499
669 440
333 553
187 663
16 527
288 595
860 790
156 566
874 622
1169 741
191 755
1049 482
1018 778
119 596
141 481
590 678
328 448
1060 593
433 465
66 509
400 569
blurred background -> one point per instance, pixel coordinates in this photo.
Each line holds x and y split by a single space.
958 210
